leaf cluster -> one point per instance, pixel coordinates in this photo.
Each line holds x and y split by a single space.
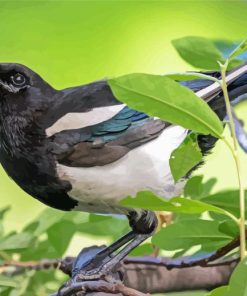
48 236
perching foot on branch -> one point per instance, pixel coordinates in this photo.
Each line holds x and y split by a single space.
89 265
98 263
99 280
102 263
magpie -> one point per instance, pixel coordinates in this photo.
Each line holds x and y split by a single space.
81 149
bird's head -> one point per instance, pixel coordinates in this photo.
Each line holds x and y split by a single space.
22 89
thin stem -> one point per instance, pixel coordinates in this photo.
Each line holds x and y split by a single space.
235 154
234 218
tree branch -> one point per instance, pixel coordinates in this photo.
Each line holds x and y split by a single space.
147 276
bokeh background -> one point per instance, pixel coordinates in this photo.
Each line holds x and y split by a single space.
76 42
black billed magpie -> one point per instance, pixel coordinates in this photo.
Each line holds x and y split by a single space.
81 149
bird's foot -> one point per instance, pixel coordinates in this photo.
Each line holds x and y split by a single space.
103 263
90 265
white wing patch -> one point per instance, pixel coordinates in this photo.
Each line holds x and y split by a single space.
80 120
146 167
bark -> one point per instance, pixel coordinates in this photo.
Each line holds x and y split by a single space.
158 279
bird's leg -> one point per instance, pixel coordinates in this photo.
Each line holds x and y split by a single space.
105 261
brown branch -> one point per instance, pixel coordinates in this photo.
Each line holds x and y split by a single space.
157 279
153 278
146 274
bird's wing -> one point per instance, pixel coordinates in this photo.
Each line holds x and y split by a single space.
107 141
111 139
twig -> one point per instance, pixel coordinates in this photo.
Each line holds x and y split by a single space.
204 262
170 265
64 265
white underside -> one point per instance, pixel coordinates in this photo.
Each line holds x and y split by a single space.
99 189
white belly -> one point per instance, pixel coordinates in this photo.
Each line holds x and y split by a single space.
99 189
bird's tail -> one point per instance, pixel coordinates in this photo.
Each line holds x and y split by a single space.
237 90
212 94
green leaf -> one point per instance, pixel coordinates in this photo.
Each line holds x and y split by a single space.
230 228
204 53
162 97
185 205
196 189
208 186
193 187
185 76
220 291
183 216
226 47
228 200
41 249
104 225
23 289
4 211
186 234
238 282
2 215
234 63
212 245
76 217
46 219
142 250
16 241
242 47
60 235
182 76
7 281
35 286
98 218
200 52
6 291
184 158
148 200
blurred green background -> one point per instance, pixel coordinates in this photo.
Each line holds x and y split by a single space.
75 42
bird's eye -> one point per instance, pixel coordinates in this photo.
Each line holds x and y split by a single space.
18 80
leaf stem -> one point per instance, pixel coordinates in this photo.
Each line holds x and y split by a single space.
234 150
234 218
